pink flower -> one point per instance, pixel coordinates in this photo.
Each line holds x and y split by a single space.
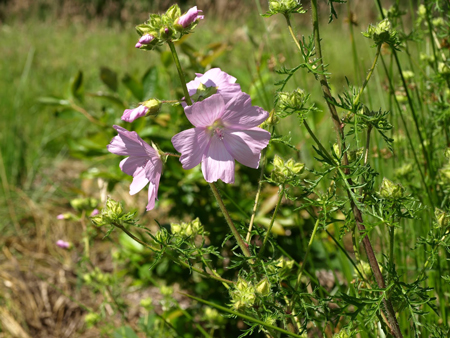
143 163
226 84
63 244
129 115
145 39
222 133
94 212
189 17
60 216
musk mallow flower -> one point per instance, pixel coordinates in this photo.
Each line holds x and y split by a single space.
190 17
223 132
213 81
143 162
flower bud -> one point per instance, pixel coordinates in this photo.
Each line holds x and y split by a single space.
187 19
263 288
113 209
98 220
443 69
404 170
65 216
91 319
146 39
284 6
166 290
153 105
162 235
80 204
283 172
185 230
407 74
146 303
442 217
343 334
203 92
390 190
63 244
243 295
292 100
382 33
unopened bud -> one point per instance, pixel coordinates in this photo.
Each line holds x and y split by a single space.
442 217
146 303
263 288
153 105
390 190
114 209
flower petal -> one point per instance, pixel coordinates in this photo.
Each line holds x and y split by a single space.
192 144
246 145
153 172
240 114
204 113
130 164
128 143
218 163
139 181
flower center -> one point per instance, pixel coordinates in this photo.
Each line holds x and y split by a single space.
217 129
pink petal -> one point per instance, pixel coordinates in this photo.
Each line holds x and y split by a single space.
216 77
153 169
152 196
130 164
240 114
204 113
139 181
128 143
246 145
218 163
129 115
94 212
192 144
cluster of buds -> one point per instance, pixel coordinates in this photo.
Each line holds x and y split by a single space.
185 230
284 7
284 172
294 101
112 213
170 26
244 294
382 33
404 171
147 108
390 190
444 174
443 69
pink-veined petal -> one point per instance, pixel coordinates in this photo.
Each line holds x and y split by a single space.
218 163
153 169
240 114
139 181
153 186
204 113
246 145
130 164
192 144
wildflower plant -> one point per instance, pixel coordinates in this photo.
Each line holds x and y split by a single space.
333 194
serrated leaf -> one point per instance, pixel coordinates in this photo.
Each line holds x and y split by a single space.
109 78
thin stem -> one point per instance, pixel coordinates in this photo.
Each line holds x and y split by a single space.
366 148
280 197
292 32
391 243
180 73
258 193
174 155
236 234
369 75
86 114
214 272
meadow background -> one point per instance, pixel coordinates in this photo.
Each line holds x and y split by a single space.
50 154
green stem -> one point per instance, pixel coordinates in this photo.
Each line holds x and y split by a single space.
236 234
280 197
369 75
180 72
391 243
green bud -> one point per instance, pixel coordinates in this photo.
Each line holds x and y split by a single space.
438 22
443 69
190 229
404 170
91 319
243 295
153 105
165 33
447 153
113 209
382 33
263 287
445 174
173 13
81 204
162 235
422 11
292 100
146 303
203 92
98 220
390 190
407 74
166 290
272 119
426 58
442 217
286 171
284 6
343 334
87 278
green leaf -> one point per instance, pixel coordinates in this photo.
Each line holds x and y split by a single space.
109 78
124 332
76 86
134 86
54 101
150 83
